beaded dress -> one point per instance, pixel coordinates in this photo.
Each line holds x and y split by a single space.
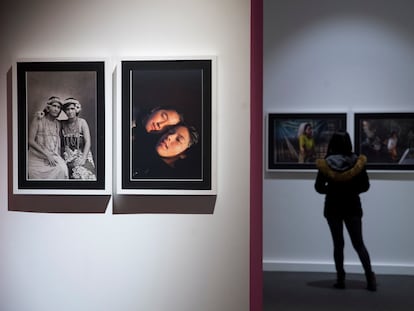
73 144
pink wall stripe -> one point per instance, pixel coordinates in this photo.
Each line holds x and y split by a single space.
256 156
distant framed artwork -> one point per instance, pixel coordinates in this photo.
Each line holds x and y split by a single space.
296 140
59 138
167 126
386 139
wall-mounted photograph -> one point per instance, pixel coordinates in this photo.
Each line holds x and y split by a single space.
296 140
166 124
386 139
59 126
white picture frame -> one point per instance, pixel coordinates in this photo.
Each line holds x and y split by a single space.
190 74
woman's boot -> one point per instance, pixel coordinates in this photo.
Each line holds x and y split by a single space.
371 282
340 280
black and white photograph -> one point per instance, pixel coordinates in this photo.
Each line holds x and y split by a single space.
166 124
61 125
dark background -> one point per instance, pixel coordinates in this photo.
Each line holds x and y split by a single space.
177 89
184 85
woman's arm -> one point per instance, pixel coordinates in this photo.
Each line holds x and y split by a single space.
34 128
301 144
321 184
87 139
362 182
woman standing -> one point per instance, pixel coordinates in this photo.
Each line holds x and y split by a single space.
342 177
77 143
306 143
44 159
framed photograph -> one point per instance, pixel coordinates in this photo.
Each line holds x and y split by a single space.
167 127
386 139
59 122
296 140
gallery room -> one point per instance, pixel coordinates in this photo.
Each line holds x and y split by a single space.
128 237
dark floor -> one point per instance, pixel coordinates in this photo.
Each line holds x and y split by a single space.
284 291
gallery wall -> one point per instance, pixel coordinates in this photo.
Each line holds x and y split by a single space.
337 56
142 261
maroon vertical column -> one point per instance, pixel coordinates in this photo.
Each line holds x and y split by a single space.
256 156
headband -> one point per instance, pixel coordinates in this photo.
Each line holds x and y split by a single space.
54 99
71 100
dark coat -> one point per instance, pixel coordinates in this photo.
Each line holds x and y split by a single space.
342 179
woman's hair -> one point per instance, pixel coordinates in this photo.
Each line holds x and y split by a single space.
340 143
194 136
69 101
302 128
51 100
192 131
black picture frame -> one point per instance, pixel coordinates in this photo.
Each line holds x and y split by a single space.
386 139
184 85
283 138
36 82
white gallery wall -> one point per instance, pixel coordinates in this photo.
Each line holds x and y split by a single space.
129 262
338 56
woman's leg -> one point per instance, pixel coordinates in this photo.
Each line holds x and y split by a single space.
336 227
354 227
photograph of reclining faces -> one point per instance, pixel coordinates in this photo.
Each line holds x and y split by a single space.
167 126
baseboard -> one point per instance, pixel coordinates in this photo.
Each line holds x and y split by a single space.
397 269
